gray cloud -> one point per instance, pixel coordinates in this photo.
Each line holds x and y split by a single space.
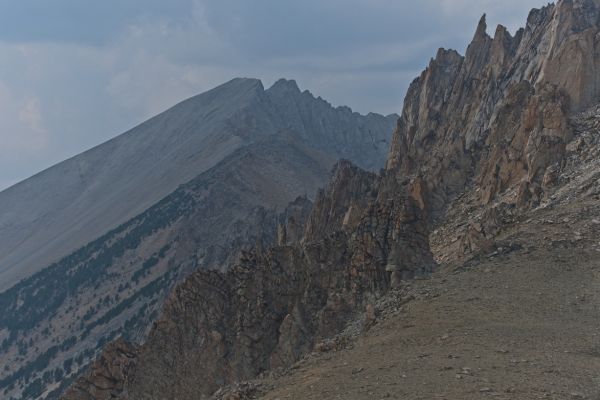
79 21
76 72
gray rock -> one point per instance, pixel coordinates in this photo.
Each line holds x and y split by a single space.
53 213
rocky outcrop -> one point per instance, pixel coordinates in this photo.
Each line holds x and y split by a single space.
498 116
275 305
109 373
527 140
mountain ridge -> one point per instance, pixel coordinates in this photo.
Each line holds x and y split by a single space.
481 145
56 320
158 154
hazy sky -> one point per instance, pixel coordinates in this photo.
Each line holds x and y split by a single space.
74 73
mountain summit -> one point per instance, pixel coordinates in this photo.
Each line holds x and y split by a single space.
99 240
51 214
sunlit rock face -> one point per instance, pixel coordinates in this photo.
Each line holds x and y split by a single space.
498 115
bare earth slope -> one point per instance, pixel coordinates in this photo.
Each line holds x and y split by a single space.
519 325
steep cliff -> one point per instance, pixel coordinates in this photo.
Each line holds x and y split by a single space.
497 117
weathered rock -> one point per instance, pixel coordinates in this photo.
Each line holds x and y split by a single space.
240 391
108 374
275 306
498 116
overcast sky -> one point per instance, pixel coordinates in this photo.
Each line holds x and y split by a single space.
74 73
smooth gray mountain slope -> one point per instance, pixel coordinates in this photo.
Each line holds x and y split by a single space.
51 214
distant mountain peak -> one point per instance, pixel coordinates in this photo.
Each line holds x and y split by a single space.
236 87
285 85
245 82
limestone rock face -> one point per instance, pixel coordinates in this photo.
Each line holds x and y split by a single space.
499 115
528 138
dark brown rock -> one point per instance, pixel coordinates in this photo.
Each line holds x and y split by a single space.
108 375
275 306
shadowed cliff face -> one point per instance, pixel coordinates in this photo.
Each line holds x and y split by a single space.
492 126
498 116
364 234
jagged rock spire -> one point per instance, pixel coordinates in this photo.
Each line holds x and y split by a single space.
509 95
481 31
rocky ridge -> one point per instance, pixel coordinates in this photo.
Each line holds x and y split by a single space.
484 141
515 319
276 305
498 117
57 320
54 213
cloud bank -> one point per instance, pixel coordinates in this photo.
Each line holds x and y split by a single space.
74 73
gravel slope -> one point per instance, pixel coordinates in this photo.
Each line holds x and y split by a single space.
511 324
